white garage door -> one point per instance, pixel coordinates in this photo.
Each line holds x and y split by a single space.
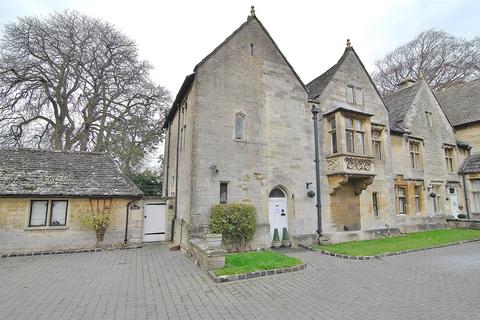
154 222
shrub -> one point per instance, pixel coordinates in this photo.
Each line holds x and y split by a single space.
462 216
99 223
237 222
285 234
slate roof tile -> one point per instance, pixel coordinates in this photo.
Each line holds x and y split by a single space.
28 172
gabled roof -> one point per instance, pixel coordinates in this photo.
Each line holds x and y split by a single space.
250 20
472 164
184 89
398 105
461 103
189 79
318 85
33 173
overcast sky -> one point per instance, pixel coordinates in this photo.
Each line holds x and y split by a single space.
175 35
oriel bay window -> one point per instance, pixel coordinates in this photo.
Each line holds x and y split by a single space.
354 136
52 211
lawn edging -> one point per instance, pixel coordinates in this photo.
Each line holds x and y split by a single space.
65 251
388 254
256 274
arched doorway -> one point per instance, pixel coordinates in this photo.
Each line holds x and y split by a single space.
277 211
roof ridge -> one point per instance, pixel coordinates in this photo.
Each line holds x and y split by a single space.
54 151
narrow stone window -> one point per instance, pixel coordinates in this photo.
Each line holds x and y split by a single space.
350 94
375 203
251 49
400 200
418 192
355 95
377 144
415 154
449 158
223 192
333 134
429 117
239 126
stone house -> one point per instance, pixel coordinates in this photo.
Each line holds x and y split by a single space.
43 194
356 161
240 130
425 158
462 107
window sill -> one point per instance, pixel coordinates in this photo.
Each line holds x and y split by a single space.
240 140
45 228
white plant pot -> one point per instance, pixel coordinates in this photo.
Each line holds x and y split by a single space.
214 240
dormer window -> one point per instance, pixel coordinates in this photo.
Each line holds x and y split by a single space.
354 95
239 126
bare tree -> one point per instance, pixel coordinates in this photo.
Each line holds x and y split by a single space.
73 82
445 60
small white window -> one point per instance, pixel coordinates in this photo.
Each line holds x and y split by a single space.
58 216
38 213
240 126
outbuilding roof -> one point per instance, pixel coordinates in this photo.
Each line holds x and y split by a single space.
472 164
461 103
29 172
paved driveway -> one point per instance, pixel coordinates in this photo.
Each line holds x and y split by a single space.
153 283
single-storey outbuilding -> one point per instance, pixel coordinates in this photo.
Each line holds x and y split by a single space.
43 195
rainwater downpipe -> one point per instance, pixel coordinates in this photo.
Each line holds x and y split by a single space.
465 188
315 110
168 160
176 176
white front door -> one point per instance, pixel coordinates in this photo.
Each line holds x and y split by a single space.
277 212
154 222
454 203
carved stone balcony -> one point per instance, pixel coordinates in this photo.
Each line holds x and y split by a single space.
344 169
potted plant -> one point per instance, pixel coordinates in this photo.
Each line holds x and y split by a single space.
276 243
286 239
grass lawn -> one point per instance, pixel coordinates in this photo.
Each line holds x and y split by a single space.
255 261
414 240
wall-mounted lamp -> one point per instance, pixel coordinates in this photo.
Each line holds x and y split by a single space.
308 184
214 169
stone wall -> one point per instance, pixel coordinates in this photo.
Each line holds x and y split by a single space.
463 223
16 235
206 258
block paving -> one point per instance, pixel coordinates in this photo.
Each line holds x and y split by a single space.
154 283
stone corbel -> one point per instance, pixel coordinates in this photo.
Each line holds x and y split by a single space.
336 182
361 185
